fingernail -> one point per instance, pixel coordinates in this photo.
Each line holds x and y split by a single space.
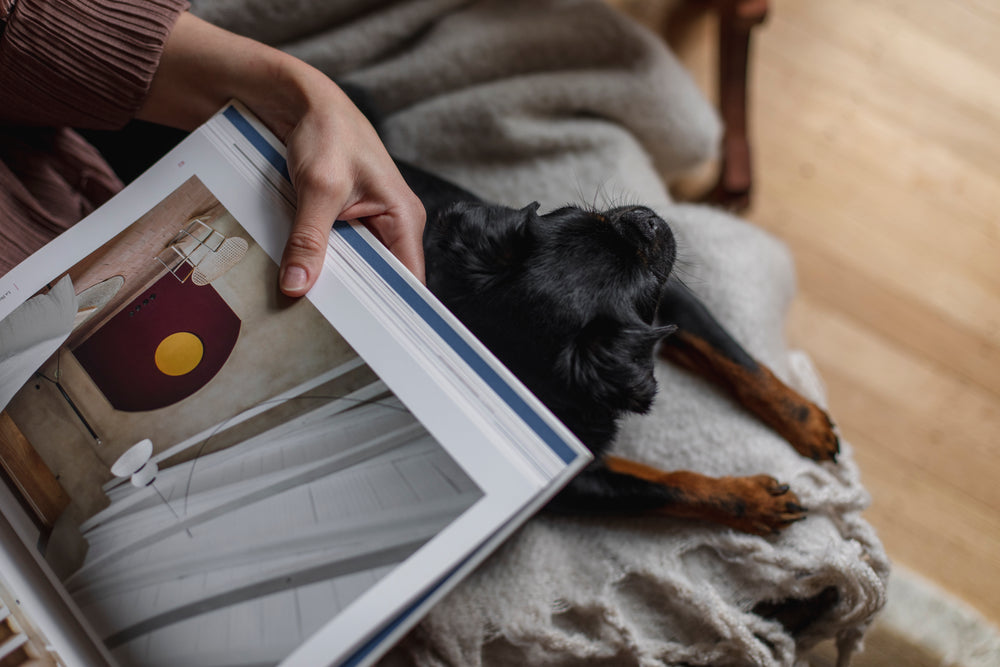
293 278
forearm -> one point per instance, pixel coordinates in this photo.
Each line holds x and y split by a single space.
203 67
337 164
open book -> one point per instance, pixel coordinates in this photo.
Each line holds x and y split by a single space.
205 472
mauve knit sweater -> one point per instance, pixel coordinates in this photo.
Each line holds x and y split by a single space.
67 63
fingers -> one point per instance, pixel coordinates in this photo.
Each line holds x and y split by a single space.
411 254
341 171
401 230
320 203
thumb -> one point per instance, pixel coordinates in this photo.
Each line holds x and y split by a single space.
305 250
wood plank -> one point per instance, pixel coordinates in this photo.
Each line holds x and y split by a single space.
903 321
880 161
865 52
968 27
907 242
916 210
920 441
36 483
915 390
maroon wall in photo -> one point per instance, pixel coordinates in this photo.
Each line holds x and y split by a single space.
119 357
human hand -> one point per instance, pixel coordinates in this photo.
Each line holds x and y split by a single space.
338 165
341 171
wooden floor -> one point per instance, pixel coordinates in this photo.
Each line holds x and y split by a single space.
876 131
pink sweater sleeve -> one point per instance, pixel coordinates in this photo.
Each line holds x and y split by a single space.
83 63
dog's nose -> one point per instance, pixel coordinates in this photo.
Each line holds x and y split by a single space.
639 224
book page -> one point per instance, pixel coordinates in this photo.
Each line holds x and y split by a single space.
239 480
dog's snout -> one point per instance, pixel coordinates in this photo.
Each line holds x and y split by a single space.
639 224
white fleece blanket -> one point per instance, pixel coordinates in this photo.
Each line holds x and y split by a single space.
565 101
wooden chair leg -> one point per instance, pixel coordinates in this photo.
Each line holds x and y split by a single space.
736 20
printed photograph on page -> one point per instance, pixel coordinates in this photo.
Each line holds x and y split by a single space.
214 471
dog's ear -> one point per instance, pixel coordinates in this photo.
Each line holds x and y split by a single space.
612 363
487 235
510 232
471 246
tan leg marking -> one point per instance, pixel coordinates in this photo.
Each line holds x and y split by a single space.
757 504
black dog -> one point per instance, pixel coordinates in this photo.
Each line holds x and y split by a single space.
575 302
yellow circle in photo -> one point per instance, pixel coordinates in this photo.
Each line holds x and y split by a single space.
179 353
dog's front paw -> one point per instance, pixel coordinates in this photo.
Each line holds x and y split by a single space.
759 505
804 425
810 431
798 420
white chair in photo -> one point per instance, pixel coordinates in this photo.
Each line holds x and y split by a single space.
201 253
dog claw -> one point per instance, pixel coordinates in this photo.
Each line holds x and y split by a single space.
791 518
836 445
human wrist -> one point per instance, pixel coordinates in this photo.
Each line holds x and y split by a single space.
280 90
204 66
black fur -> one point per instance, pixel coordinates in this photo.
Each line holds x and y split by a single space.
567 300
574 302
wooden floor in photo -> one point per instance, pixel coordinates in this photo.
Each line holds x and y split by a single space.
875 129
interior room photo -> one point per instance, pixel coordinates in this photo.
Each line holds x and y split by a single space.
192 479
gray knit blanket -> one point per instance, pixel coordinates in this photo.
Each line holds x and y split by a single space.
566 101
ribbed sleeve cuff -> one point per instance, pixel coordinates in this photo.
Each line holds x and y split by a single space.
84 63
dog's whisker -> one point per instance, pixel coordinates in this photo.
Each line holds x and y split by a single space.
684 268
590 202
621 198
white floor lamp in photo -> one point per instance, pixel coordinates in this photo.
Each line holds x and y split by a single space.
136 464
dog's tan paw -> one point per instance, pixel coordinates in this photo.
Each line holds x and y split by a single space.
798 420
808 429
759 505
